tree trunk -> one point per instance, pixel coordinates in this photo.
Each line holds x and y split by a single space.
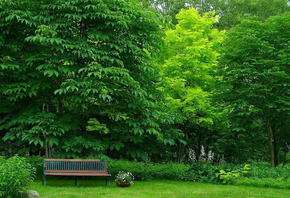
60 106
49 151
198 150
181 153
275 146
285 158
182 146
271 147
46 149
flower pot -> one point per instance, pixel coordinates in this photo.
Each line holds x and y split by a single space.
121 184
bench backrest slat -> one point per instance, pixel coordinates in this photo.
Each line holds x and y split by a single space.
75 165
75 160
76 171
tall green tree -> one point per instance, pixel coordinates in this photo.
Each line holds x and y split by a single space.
76 76
189 56
231 12
255 68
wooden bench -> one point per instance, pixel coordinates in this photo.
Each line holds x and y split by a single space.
77 168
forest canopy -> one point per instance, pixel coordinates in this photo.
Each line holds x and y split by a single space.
145 80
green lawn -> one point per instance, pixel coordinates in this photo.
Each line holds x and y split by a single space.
157 188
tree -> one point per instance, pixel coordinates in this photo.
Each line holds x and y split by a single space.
76 76
190 53
231 12
255 70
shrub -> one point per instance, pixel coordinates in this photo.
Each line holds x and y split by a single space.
15 176
260 174
139 169
232 176
148 170
198 171
263 170
36 162
207 172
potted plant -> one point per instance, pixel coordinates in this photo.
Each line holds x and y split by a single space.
124 179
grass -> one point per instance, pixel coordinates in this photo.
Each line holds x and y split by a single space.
57 187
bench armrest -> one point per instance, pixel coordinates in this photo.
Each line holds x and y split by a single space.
44 165
44 170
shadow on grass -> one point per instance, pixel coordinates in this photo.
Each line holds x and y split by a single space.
57 181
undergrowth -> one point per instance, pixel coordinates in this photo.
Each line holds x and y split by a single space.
257 174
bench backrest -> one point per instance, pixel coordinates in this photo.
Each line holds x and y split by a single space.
68 165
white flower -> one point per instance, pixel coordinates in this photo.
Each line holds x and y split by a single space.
202 151
210 156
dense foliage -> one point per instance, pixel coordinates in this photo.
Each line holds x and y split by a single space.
189 58
255 86
76 77
117 79
253 174
15 176
231 12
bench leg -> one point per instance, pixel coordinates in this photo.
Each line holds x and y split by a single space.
107 181
44 180
77 181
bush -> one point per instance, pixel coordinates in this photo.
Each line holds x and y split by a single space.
263 170
232 176
15 176
207 172
148 170
36 162
260 174
204 172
